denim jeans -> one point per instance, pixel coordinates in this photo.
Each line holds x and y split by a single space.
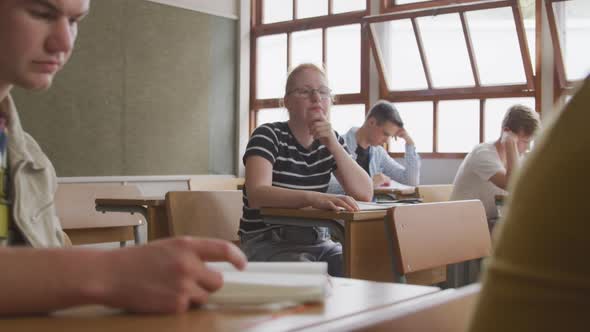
294 244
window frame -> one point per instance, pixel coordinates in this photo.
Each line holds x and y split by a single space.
412 11
258 29
562 86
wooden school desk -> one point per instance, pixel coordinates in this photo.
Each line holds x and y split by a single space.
348 299
152 208
363 234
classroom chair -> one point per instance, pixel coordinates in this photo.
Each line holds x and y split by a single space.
205 213
430 235
74 203
435 192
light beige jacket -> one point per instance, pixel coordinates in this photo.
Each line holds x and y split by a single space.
32 185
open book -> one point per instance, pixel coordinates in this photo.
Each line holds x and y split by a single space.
263 283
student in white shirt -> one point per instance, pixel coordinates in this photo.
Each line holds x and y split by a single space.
486 170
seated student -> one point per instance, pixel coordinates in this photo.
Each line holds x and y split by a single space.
486 170
288 164
538 278
366 147
36 40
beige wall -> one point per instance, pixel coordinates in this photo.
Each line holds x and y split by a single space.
150 90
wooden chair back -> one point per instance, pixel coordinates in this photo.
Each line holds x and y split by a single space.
205 213
214 182
435 192
431 235
75 207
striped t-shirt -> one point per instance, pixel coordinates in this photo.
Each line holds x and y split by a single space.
293 166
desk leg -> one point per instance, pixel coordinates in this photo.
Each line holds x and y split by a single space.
157 223
366 251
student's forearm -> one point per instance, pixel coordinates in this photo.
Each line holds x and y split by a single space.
511 159
355 181
270 196
43 280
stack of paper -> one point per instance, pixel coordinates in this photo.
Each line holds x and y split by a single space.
263 283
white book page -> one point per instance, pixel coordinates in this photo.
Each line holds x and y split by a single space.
264 283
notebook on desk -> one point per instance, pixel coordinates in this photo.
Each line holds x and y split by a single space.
399 188
269 282
370 206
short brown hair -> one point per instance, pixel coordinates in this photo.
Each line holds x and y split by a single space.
384 111
295 71
520 118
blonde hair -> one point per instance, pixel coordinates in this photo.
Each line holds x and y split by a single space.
293 73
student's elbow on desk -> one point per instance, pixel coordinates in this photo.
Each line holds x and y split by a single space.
361 195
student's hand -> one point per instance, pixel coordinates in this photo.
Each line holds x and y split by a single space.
403 134
166 276
333 202
380 179
321 129
508 137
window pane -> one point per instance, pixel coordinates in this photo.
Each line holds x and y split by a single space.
496 46
399 50
458 125
311 8
343 117
341 6
446 51
494 112
306 46
573 21
277 11
344 59
527 8
271 67
418 121
267 115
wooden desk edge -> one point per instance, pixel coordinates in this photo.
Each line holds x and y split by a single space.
324 214
150 201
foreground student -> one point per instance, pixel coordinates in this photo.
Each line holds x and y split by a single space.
366 147
288 164
486 170
538 278
36 40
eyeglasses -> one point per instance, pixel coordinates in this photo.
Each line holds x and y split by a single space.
323 92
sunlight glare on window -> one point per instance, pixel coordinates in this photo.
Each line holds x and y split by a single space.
268 115
494 111
344 117
401 57
496 46
271 68
344 58
306 47
574 28
311 8
446 51
458 124
343 6
277 11
418 121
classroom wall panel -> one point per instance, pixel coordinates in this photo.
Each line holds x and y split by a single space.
147 90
